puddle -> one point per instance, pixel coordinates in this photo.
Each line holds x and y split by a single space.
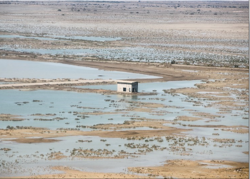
105 87
215 166
7 82
54 37
25 37
90 38
190 70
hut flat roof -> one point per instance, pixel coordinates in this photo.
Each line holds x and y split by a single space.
129 82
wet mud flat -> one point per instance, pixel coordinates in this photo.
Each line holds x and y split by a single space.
212 34
172 123
165 122
171 128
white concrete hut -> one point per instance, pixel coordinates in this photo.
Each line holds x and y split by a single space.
127 86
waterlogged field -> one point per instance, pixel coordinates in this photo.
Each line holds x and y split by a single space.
66 119
62 111
211 34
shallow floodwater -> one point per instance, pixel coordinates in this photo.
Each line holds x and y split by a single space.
87 38
150 87
2 82
108 165
47 70
25 37
64 104
50 37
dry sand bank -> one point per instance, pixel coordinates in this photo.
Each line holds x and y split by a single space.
34 140
44 133
72 173
197 169
10 117
174 168
71 82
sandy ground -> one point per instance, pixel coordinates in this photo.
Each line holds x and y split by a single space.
192 33
187 118
4 86
31 141
173 168
172 73
22 134
10 117
142 122
71 173
197 169
208 40
214 91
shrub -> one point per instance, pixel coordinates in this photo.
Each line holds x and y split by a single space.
172 62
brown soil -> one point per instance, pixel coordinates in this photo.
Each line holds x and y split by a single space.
180 23
205 115
167 74
218 126
151 123
10 117
197 169
56 156
35 140
72 173
241 130
187 118
21 134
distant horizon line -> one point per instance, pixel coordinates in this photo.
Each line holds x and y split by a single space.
119 0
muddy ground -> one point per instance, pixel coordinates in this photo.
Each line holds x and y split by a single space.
210 34
206 40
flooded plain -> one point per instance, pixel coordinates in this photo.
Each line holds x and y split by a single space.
46 70
61 115
60 110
